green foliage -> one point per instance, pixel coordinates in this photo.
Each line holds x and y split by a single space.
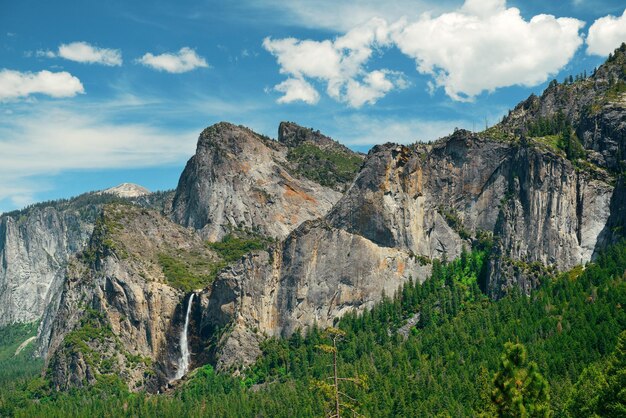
571 145
327 167
584 400
520 390
19 366
557 133
443 368
601 387
18 382
188 271
550 125
232 247
613 399
93 328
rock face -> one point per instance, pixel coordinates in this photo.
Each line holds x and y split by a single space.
34 247
119 313
406 207
36 243
238 179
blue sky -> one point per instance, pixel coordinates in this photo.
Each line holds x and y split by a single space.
96 93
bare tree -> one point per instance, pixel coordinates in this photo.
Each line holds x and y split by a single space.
338 401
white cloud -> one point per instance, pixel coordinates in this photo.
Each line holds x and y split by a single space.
374 86
339 63
15 84
86 53
184 60
479 47
295 89
606 34
484 46
48 140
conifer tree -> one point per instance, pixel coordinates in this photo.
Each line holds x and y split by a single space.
613 403
520 390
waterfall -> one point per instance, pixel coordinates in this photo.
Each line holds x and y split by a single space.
183 362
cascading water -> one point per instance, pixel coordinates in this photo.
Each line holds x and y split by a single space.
183 362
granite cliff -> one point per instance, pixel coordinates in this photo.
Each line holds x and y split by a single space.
123 300
36 243
544 190
239 179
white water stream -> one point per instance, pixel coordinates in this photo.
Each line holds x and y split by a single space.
183 362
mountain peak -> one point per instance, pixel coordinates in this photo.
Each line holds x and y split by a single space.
127 190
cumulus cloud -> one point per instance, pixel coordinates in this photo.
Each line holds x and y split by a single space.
606 34
484 46
479 47
296 89
15 84
180 62
86 53
338 63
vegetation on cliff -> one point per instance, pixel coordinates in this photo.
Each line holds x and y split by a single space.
445 366
327 167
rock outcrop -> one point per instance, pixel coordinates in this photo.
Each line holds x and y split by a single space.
239 179
34 248
124 301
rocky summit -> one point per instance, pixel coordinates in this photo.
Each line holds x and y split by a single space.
273 237
127 190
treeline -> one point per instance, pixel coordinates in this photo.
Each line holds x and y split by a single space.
443 366
558 125
86 201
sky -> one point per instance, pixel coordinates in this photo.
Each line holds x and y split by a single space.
97 93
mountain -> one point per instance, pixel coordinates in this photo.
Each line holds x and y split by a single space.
275 236
407 207
528 188
239 179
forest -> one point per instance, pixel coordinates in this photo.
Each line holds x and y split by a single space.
440 348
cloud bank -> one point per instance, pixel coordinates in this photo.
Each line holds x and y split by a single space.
70 139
